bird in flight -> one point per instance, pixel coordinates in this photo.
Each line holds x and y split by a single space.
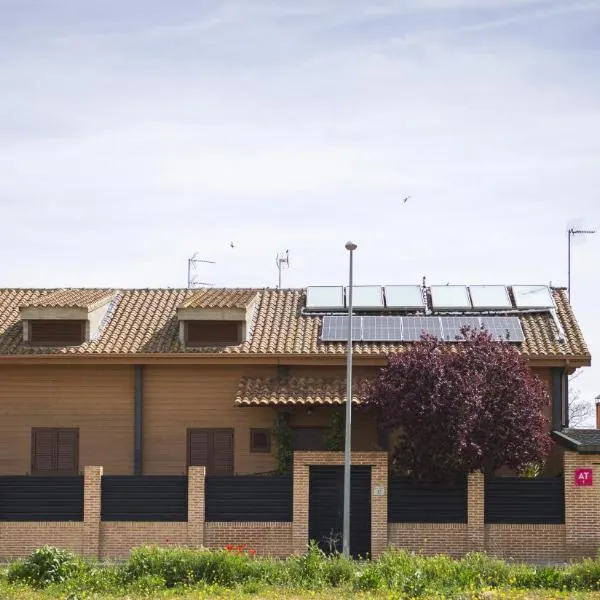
406 199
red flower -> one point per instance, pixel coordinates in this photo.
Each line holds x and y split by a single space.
252 552
229 547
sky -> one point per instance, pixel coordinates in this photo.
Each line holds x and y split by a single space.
136 134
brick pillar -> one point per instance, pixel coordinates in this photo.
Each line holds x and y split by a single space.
379 505
582 507
195 525
475 512
300 513
92 510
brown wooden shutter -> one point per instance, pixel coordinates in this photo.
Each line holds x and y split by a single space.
212 448
217 333
43 451
56 332
67 450
223 451
199 446
54 451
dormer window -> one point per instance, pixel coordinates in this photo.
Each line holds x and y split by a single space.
57 332
214 333
210 318
64 317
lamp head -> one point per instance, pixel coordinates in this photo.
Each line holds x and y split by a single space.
350 246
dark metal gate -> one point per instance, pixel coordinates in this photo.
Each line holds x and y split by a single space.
325 512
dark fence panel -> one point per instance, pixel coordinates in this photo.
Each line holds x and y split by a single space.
248 498
37 498
523 500
144 498
415 502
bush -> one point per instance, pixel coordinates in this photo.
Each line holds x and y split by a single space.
45 566
151 570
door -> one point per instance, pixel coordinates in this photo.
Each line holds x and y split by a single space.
325 510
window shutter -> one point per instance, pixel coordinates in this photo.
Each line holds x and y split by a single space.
67 451
43 451
54 332
199 447
223 452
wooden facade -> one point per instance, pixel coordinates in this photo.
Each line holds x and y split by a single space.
97 401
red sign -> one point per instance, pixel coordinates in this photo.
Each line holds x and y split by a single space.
583 477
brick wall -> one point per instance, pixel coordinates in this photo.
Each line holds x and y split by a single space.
19 539
273 539
582 507
117 538
577 538
430 538
533 543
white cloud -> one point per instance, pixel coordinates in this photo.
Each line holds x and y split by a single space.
127 145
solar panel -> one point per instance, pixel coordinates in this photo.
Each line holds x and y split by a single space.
415 327
404 296
504 328
452 326
490 296
382 329
532 296
410 329
335 328
325 297
450 297
366 297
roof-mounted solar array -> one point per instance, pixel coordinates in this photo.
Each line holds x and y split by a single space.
404 297
366 297
533 296
450 297
325 297
488 297
410 329
444 298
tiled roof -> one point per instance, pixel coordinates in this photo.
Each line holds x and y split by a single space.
584 441
70 298
289 391
219 298
145 321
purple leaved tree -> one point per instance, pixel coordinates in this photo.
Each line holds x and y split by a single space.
454 409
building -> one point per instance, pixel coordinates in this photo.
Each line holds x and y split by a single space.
151 381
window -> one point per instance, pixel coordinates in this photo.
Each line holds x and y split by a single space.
54 451
309 438
213 333
56 332
260 440
212 448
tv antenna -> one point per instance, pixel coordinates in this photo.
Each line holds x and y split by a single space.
193 271
282 260
571 233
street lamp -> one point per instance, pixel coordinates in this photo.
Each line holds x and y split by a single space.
351 247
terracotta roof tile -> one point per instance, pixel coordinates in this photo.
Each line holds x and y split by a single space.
70 298
220 298
145 321
306 391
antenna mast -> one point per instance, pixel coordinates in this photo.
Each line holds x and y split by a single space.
192 269
570 234
282 260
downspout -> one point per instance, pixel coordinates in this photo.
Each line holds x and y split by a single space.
138 405
558 375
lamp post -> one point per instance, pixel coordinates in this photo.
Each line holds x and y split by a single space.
351 247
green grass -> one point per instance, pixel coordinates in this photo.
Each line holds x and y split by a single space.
153 572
